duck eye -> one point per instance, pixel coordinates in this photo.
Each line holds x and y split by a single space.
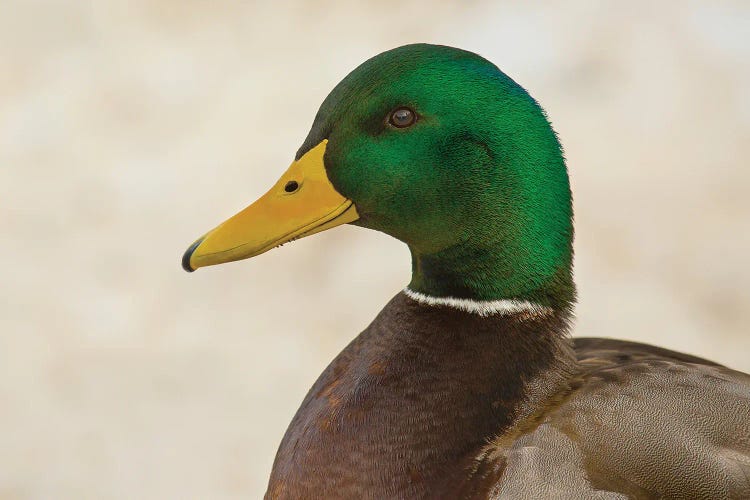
402 118
291 186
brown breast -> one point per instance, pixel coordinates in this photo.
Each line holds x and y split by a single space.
404 409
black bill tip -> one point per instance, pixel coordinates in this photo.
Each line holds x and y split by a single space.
188 253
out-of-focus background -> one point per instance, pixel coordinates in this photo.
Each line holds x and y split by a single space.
128 128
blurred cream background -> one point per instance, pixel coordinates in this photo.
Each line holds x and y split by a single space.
127 129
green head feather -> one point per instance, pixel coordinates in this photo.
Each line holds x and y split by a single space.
477 187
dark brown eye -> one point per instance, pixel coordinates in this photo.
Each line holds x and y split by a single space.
291 186
402 117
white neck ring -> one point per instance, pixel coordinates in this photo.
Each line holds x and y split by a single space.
501 307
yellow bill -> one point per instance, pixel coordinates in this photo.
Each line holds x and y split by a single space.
301 203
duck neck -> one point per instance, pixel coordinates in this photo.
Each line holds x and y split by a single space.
495 270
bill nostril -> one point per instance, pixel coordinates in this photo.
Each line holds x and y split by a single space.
291 186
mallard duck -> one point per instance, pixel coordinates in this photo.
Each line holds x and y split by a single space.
466 385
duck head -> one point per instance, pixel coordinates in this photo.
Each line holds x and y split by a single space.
437 147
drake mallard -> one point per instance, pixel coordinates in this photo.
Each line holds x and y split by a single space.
466 385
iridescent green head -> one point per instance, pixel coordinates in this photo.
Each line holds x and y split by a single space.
437 147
